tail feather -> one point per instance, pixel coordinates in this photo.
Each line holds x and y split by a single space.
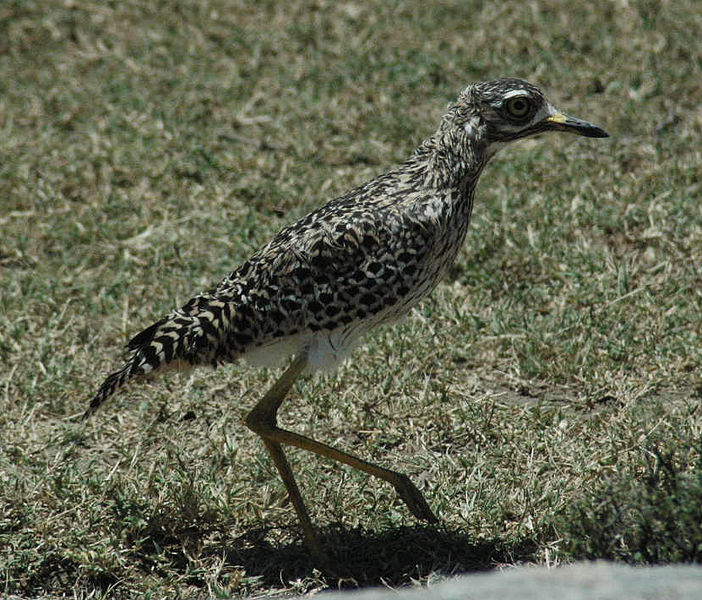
145 336
181 338
109 386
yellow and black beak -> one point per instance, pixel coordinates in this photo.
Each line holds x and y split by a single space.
560 122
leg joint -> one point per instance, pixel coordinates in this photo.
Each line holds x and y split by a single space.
260 422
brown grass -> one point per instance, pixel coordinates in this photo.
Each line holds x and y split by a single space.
549 386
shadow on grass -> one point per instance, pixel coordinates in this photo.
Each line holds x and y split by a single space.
358 558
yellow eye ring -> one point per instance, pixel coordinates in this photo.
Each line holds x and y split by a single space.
518 107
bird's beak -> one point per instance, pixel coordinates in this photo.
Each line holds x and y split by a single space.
561 122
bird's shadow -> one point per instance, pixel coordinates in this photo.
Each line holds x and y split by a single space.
358 558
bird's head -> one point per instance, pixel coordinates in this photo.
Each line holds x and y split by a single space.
504 110
487 116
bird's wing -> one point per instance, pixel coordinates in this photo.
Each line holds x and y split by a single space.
341 264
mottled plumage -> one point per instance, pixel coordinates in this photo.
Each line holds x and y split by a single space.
362 259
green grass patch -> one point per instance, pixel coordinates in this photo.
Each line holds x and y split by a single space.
546 398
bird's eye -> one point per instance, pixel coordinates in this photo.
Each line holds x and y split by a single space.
518 107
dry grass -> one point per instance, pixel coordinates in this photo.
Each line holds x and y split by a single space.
547 397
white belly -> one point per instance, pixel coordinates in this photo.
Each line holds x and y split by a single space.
325 350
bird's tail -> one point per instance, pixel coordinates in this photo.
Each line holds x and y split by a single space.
181 339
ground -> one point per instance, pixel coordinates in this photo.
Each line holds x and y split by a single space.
546 398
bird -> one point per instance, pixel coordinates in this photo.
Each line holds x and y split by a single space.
360 260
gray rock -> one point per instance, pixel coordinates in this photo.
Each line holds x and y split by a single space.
584 581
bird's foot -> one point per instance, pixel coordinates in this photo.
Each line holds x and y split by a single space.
414 499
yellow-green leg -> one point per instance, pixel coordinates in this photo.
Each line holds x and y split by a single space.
262 420
263 417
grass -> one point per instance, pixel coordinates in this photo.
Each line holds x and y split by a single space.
546 398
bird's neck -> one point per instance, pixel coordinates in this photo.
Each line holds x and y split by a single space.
453 159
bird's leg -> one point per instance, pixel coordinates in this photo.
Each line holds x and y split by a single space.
409 493
262 420
281 462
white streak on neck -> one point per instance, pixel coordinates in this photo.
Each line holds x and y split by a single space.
471 126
